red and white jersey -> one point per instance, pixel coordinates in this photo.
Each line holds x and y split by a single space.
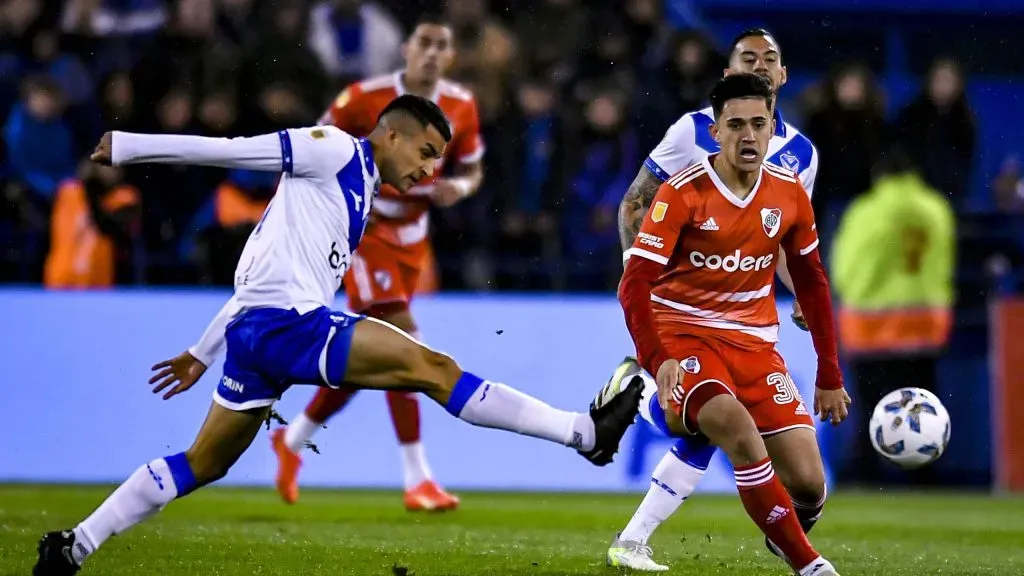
720 252
403 217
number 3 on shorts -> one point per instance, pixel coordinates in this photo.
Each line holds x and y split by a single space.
785 387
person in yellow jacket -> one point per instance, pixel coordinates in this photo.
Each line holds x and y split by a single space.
892 267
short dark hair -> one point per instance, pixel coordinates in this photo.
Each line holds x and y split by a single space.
736 86
430 19
425 111
750 33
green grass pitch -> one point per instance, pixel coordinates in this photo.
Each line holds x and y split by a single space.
236 532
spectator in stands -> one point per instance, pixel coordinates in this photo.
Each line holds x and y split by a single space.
40 145
526 242
354 39
680 86
892 267
485 56
1008 187
551 36
95 217
114 17
117 103
280 54
235 209
849 132
939 131
604 163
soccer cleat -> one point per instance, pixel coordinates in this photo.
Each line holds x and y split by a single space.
288 464
819 567
634 555
428 496
613 412
624 372
55 555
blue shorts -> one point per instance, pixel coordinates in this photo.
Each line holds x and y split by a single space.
269 349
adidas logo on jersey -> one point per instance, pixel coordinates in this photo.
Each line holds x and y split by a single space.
709 224
777 513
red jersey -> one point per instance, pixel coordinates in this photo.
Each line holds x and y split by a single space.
402 218
720 252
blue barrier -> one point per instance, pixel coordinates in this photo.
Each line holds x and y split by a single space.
75 392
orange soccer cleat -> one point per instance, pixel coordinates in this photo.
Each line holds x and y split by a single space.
429 496
288 464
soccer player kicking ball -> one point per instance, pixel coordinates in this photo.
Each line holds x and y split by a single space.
278 328
699 306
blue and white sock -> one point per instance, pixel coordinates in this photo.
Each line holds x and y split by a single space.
674 479
494 405
142 495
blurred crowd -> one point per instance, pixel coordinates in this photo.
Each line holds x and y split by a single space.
572 95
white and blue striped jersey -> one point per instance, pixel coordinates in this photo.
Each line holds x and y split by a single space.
299 251
688 142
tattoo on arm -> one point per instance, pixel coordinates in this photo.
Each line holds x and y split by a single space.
635 204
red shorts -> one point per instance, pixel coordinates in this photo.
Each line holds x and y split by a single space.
384 273
755 374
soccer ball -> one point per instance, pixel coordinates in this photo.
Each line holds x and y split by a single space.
910 428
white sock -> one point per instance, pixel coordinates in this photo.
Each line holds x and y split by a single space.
815 566
299 431
494 405
414 463
671 484
142 495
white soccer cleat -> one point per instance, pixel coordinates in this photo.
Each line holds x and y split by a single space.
633 555
819 567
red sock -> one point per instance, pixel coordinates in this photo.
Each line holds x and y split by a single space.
327 402
405 415
770 507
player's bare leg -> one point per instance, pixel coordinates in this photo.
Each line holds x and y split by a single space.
383 357
798 463
224 436
728 425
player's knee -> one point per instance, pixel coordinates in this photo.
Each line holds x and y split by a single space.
729 426
433 371
805 481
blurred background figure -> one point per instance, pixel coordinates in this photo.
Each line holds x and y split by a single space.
849 130
892 267
94 225
937 128
354 39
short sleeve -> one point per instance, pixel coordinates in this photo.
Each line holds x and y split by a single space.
468 145
661 227
317 152
675 151
808 176
802 237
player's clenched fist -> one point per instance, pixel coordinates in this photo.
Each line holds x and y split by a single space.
670 374
103 152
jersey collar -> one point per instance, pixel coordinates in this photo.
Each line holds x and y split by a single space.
400 87
366 151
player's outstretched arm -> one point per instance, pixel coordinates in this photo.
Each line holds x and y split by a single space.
266 152
634 205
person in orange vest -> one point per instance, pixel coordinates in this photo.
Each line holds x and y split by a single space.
893 262
93 220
